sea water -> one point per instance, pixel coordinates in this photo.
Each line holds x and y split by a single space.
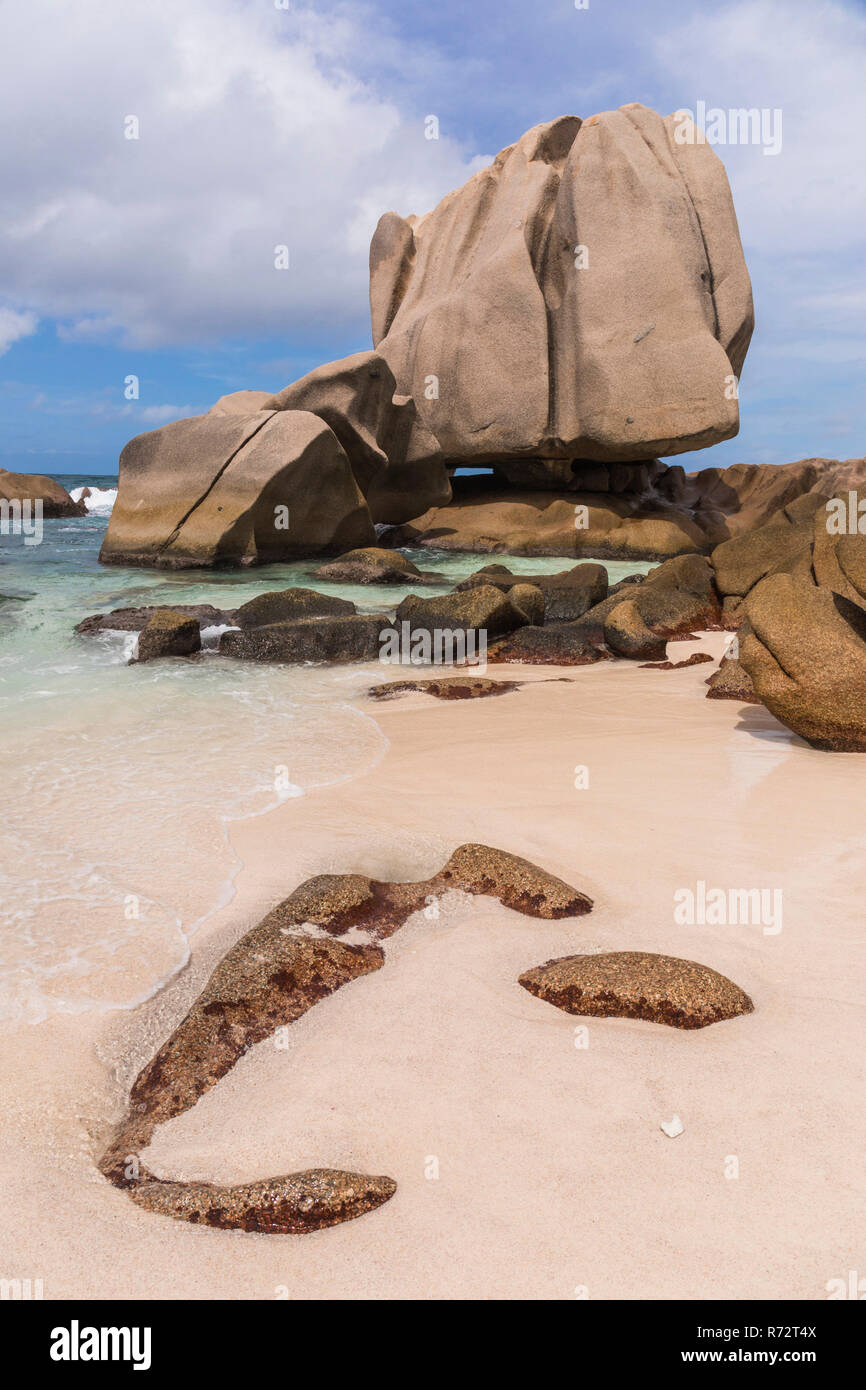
121 782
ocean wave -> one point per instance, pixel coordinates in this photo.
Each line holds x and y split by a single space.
99 500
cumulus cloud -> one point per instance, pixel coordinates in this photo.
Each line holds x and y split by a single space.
253 133
15 325
807 60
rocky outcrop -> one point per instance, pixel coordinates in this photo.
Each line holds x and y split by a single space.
638 984
168 633
805 652
268 980
29 488
235 489
696 659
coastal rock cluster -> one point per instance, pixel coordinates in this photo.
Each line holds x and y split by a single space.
295 958
519 325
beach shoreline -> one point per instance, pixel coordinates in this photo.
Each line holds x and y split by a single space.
553 1173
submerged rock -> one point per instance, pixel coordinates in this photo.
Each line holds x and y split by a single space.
168 634
638 984
483 609
374 565
346 637
134 619
284 605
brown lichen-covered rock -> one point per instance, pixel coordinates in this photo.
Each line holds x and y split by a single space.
347 637
555 644
374 565
782 545
696 659
626 633
514 881
567 595
638 984
269 979
168 634
805 651
134 619
290 1205
732 682
483 609
445 688
285 605
528 599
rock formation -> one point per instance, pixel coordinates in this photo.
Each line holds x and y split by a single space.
522 324
35 487
270 978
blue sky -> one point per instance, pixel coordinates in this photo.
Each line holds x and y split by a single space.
264 123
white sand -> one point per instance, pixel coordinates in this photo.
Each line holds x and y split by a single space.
553 1172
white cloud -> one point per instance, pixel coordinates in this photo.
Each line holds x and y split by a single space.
806 59
15 325
253 133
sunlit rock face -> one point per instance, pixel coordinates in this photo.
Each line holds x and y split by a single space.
585 297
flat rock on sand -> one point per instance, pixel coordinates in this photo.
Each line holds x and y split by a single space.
638 984
270 978
445 688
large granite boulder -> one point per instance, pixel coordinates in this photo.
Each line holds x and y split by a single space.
29 488
525 317
805 652
229 488
396 461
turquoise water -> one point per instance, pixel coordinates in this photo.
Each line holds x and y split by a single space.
121 781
